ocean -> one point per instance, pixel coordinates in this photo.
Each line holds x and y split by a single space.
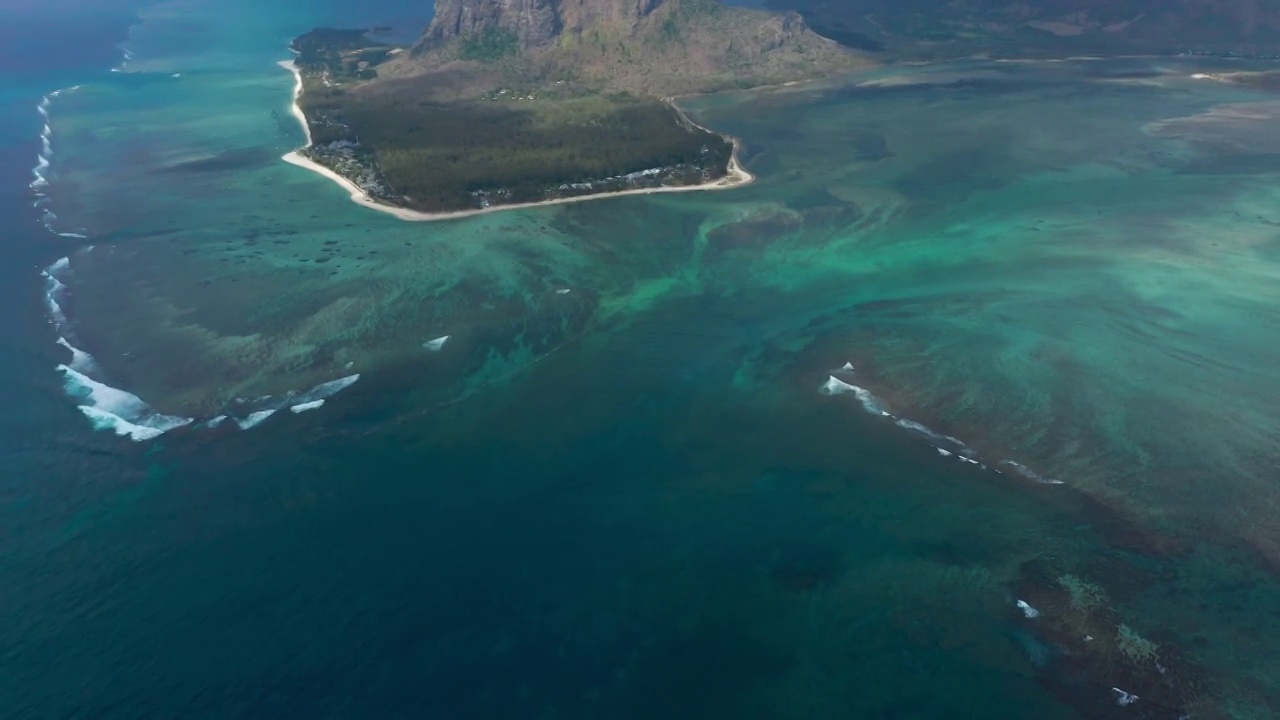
966 408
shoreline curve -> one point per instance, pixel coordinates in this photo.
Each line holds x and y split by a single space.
736 175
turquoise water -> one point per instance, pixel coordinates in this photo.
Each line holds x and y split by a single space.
662 493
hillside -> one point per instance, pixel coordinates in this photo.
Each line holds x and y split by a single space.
646 47
506 102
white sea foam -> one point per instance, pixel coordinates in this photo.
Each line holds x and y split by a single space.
564 291
324 390
296 402
110 408
1030 474
437 344
75 236
54 289
42 164
1027 610
303 407
945 445
836 386
81 361
254 419
39 175
215 422
1124 699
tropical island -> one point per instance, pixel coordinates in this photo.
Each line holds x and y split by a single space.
507 103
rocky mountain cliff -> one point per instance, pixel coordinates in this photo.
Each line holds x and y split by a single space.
663 47
536 23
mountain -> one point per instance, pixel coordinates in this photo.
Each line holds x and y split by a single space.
649 47
507 102
1007 27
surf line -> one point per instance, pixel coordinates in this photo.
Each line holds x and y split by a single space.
39 184
945 445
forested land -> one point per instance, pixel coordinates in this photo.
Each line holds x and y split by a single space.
341 54
525 142
462 154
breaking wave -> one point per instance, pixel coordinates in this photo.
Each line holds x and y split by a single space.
947 446
836 386
110 408
1030 474
81 361
54 292
295 401
254 419
303 407
41 172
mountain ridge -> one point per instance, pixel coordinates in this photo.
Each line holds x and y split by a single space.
648 47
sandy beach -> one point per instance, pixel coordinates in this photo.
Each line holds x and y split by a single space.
736 176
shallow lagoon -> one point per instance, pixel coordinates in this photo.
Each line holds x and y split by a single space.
633 499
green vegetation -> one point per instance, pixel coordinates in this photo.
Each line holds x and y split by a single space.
340 54
501 145
491 45
462 154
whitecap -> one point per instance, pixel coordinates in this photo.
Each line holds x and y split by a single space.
1027 610
54 289
324 390
847 367
437 344
1124 699
110 408
564 291
935 436
81 361
75 236
254 419
1030 474
943 453
836 386
303 407
103 420
215 422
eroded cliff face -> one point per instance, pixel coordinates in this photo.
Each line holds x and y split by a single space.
654 47
536 23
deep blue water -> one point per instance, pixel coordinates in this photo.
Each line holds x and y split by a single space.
620 532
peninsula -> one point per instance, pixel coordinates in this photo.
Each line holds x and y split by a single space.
512 103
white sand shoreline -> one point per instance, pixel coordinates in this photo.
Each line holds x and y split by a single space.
736 176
